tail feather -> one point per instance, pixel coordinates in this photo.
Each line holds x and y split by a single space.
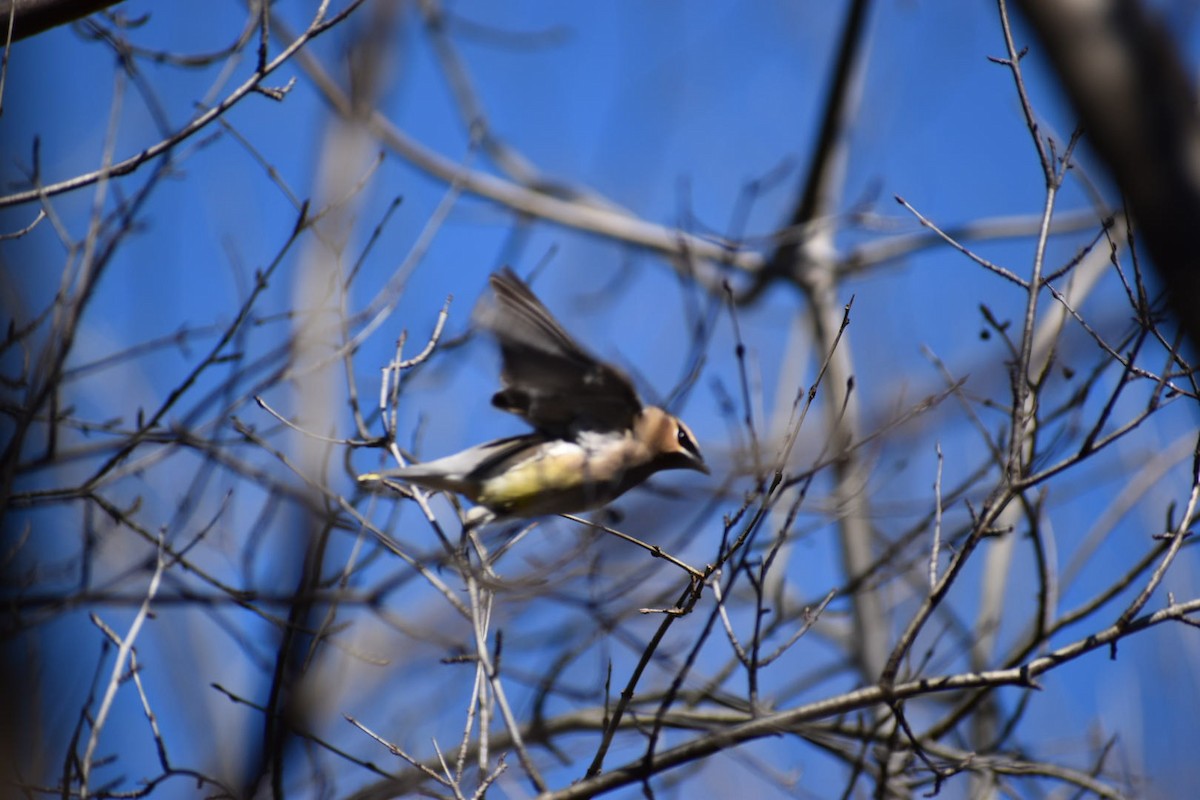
420 474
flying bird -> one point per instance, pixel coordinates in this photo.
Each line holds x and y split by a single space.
593 439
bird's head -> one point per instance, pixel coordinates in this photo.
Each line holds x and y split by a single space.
669 441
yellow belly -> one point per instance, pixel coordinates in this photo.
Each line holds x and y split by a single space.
539 482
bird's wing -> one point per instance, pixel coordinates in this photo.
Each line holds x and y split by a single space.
549 379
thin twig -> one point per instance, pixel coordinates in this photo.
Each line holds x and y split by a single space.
124 653
653 549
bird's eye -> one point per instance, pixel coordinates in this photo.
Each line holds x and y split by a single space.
686 442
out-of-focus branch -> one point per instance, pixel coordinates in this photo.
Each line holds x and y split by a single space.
1122 71
827 165
809 261
31 17
582 210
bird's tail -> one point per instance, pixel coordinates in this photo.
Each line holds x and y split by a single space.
429 476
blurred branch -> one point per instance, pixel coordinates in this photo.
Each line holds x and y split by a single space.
1136 99
826 168
592 215
858 260
808 262
31 17
475 120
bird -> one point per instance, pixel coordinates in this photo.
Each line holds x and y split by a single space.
593 438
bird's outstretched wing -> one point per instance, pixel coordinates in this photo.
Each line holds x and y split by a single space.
549 379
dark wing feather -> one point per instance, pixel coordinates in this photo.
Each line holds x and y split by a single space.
549 379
